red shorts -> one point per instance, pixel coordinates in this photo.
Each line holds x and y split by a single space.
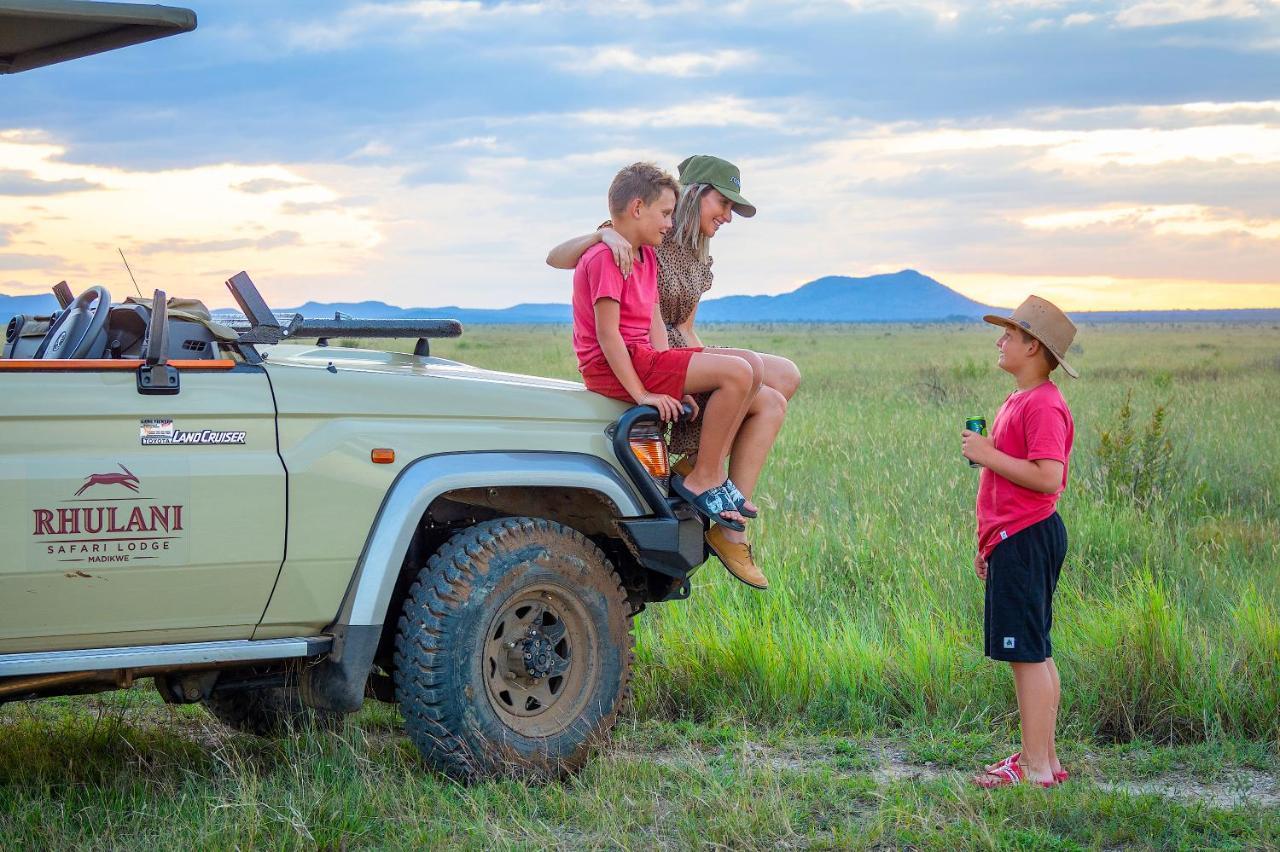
660 372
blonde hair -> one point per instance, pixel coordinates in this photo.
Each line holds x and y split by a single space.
639 180
688 221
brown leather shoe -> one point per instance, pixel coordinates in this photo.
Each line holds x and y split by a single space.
684 467
737 558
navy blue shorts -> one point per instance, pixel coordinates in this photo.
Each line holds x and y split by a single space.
1022 573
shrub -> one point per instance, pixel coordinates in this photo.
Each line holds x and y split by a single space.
1138 466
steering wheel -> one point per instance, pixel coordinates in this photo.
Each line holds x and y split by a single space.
78 326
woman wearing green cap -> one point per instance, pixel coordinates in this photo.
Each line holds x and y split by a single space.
711 192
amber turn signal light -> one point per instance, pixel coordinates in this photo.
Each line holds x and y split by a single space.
652 453
382 455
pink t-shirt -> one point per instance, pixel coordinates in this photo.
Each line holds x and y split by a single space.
1034 424
597 277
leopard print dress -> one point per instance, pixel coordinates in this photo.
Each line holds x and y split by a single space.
682 279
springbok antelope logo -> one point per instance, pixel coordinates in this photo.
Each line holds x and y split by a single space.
127 479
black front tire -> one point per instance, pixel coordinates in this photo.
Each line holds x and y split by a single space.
493 602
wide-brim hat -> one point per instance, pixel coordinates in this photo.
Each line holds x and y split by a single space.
1043 320
723 175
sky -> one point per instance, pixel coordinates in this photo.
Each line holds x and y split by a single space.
1106 154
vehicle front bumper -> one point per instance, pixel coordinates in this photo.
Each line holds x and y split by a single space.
671 542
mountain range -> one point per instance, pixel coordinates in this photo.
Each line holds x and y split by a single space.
906 296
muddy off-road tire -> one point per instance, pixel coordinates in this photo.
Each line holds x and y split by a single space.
268 711
514 651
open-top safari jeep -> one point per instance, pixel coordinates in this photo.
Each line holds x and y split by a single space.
278 528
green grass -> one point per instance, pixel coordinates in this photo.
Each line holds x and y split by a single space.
1168 615
1167 634
125 772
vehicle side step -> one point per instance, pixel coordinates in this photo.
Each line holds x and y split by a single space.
148 656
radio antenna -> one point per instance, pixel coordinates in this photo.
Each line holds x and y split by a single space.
130 271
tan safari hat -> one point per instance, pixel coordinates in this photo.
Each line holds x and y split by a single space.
1042 319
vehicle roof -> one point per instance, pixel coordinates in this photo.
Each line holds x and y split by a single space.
35 33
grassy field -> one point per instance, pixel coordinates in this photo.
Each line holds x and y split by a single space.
832 710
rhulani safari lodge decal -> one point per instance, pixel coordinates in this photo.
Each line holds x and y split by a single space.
103 521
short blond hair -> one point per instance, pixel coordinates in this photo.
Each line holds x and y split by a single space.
639 180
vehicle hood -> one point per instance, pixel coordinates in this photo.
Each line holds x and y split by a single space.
407 382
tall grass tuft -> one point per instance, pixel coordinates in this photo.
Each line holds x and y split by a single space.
1139 466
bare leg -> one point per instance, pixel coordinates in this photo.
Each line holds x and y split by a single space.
776 372
781 374
752 445
1036 709
1057 702
758 372
732 383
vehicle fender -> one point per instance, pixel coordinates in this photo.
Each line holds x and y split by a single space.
337 681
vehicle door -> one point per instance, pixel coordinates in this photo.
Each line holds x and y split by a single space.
133 519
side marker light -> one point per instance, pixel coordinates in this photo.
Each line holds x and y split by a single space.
382 455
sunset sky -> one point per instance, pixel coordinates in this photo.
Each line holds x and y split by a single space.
1102 153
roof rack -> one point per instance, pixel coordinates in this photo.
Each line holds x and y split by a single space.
259 324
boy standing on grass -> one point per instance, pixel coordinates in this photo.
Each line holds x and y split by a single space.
621 343
1022 541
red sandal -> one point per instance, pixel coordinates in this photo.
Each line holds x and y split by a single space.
1008 774
1059 776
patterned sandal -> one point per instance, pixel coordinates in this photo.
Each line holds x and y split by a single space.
1059 776
684 467
739 500
1007 775
710 503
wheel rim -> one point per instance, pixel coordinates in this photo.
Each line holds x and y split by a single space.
539 656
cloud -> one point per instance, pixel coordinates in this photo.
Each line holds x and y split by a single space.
373 149
23 184
1113 292
714 111
1254 144
1197 199
608 59
393 21
303 208
26 261
177 245
1162 13
171 217
261 185
1187 220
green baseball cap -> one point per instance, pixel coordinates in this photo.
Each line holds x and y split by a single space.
723 175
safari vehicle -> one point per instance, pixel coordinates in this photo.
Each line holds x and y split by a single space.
278 528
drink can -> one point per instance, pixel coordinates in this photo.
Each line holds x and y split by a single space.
979 425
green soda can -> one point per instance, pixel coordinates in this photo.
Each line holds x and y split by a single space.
979 425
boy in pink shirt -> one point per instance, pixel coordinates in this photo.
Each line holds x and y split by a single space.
1022 541
621 343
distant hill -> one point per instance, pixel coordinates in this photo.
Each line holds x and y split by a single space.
906 296
528 312
10 305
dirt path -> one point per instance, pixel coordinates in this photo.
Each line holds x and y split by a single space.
886 763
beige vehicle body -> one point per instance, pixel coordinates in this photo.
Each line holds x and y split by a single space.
273 526
215 553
